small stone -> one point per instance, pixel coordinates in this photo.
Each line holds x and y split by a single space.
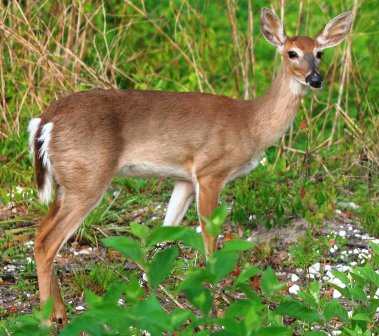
336 295
342 233
350 228
294 289
336 332
80 308
325 278
353 263
332 250
315 268
327 268
356 251
375 241
357 235
294 278
198 229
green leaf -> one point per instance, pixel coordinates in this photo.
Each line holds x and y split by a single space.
47 308
215 222
161 265
298 310
315 333
273 331
196 293
361 317
139 230
179 317
237 245
128 247
335 309
247 273
220 264
358 293
375 247
171 233
270 283
134 291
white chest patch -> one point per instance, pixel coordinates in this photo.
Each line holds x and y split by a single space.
148 169
253 163
297 88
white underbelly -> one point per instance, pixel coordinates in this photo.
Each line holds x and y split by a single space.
253 163
148 170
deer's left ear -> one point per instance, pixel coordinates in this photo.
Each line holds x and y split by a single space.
335 31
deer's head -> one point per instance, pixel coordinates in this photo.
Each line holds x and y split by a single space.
301 54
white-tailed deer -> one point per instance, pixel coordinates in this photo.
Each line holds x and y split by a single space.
201 140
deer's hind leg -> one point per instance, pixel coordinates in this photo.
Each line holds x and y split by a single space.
64 217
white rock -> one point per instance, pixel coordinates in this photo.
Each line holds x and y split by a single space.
342 233
80 308
198 229
336 332
357 235
315 268
294 289
353 263
375 241
350 228
356 251
294 278
338 211
336 294
332 250
327 268
325 278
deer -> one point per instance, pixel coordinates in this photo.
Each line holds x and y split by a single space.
201 141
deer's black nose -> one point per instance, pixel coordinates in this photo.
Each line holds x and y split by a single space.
314 80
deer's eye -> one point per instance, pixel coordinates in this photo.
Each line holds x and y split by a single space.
292 54
319 54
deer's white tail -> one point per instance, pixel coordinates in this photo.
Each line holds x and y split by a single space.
39 139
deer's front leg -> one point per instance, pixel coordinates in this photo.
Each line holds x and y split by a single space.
179 202
208 190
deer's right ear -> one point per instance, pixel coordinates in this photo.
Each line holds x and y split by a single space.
272 28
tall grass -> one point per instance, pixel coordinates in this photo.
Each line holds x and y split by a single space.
49 49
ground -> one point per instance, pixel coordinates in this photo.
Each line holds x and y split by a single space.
338 245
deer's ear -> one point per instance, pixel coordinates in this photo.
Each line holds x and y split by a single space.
335 31
272 28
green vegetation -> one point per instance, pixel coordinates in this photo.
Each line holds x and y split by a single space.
210 307
330 155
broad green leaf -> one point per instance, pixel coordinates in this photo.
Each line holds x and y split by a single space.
139 230
269 282
47 308
298 310
128 247
308 299
196 293
215 222
161 265
149 315
358 293
134 291
170 233
247 273
361 317
237 245
375 247
315 333
252 319
273 331
220 264
335 309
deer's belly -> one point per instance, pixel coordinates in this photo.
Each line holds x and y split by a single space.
244 170
148 170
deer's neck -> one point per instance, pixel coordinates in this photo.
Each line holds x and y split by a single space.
276 109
